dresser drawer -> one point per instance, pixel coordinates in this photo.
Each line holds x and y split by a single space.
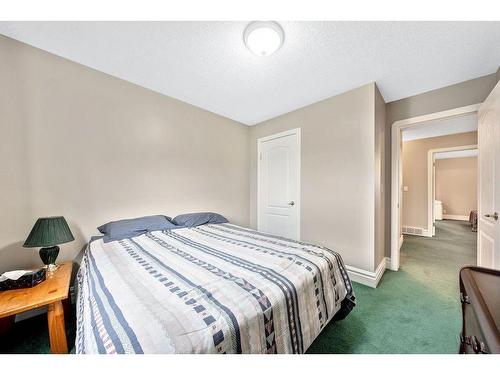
480 297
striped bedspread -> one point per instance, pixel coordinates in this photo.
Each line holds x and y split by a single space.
209 289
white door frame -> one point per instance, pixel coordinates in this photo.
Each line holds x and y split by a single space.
396 168
296 132
431 180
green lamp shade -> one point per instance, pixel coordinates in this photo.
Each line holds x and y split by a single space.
49 231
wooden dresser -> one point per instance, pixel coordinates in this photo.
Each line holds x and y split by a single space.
480 296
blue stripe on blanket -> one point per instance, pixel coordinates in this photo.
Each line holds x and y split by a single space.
337 256
209 295
294 326
256 293
118 313
270 251
105 319
98 340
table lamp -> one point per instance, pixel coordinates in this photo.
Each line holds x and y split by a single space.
47 233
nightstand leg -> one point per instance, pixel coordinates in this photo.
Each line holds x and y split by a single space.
57 330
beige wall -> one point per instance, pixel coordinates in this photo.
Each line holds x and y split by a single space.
456 185
69 134
415 173
459 95
80 143
337 172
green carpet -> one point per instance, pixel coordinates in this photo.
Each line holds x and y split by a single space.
31 336
414 310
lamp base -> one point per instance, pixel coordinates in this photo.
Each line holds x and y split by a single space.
49 256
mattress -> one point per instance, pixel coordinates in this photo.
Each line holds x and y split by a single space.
215 288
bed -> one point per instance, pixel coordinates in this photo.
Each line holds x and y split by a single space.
214 288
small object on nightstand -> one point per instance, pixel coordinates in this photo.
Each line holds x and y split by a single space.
51 293
47 233
21 279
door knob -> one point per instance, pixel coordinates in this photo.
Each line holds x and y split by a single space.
291 203
494 215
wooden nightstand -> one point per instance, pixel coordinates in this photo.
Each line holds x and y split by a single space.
49 293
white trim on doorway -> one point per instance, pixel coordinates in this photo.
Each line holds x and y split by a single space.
396 168
431 191
297 200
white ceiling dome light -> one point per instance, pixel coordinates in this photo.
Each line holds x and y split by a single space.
263 38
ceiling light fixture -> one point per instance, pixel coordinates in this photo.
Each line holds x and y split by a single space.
263 38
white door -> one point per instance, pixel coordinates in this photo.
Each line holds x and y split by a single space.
488 254
279 184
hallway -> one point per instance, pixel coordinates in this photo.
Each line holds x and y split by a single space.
438 260
414 310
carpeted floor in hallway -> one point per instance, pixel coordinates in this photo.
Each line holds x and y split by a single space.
414 310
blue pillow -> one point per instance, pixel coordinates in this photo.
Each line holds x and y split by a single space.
118 230
199 218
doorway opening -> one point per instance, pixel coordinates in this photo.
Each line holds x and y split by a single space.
452 175
410 185
439 195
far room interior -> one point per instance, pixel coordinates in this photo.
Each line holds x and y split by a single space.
439 197
248 187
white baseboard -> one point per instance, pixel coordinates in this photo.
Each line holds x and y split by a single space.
387 262
401 240
427 233
456 217
368 278
388 265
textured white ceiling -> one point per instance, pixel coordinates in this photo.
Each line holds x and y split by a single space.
455 154
462 124
206 63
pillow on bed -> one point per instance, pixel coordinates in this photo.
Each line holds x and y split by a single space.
199 218
118 230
